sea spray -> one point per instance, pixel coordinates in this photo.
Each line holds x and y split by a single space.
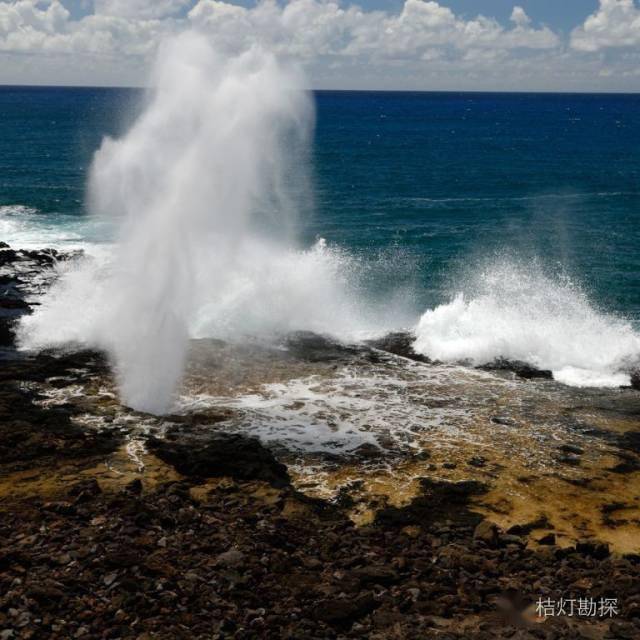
208 189
517 311
206 166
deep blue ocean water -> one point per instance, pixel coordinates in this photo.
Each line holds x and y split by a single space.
440 181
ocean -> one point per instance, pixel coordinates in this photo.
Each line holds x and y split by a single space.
510 218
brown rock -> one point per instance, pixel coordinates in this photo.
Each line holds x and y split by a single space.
488 532
232 558
342 613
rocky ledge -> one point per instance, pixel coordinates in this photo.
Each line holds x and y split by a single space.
23 275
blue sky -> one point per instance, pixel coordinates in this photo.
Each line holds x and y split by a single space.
562 14
512 45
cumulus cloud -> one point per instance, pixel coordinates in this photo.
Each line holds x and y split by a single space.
422 45
616 23
519 16
312 28
140 9
46 28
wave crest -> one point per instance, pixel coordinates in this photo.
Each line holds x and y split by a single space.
518 312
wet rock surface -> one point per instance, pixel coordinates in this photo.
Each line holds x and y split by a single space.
400 344
23 274
219 454
30 431
521 369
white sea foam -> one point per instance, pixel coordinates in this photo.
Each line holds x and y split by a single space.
24 227
516 311
355 406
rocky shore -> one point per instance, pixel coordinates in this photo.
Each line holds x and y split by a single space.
190 532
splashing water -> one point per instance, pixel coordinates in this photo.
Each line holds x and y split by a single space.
206 188
520 313
202 170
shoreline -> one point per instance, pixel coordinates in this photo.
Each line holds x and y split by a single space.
121 524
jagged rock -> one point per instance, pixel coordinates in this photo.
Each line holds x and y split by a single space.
488 532
598 550
549 539
521 369
400 344
342 613
232 558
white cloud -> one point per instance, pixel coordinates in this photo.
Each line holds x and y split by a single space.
616 23
519 16
31 26
312 28
423 45
140 9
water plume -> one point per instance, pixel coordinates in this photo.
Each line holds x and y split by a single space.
214 159
207 192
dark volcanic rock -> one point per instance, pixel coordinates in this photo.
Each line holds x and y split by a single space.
521 369
488 532
29 431
440 500
630 463
72 366
598 550
23 274
377 574
342 613
524 529
400 344
7 335
630 440
314 347
221 454
571 448
548 539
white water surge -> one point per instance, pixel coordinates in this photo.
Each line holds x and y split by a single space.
518 312
207 188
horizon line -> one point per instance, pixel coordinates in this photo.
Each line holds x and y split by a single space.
315 90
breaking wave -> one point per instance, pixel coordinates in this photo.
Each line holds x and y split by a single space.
519 312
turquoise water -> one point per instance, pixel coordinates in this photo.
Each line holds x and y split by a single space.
434 184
